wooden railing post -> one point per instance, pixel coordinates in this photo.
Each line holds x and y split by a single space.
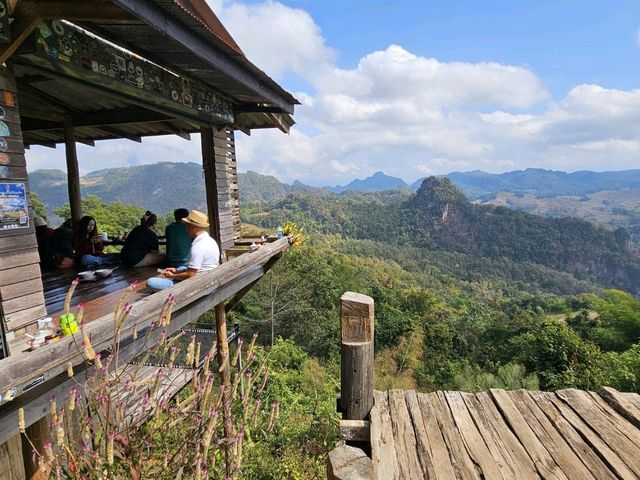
356 377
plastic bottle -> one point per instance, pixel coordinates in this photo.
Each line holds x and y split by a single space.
280 232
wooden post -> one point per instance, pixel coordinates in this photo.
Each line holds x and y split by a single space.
356 377
210 182
73 174
223 360
11 466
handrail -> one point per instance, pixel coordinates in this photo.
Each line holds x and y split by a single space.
25 370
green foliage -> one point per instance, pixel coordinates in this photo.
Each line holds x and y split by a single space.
113 217
439 222
37 205
308 424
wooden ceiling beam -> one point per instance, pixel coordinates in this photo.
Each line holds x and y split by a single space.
253 108
118 133
74 10
21 28
98 120
176 131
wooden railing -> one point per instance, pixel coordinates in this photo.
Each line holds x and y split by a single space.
32 377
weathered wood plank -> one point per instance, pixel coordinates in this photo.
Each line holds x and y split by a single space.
573 438
24 317
355 430
621 404
621 423
609 456
504 446
22 302
7 292
13 243
383 447
422 438
582 404
348 463
545 464
460 459
555 444
440 454
11 463
19 274
473 440
17 259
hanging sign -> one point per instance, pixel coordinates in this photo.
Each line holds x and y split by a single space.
13 206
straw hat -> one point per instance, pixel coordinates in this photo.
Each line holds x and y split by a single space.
197 219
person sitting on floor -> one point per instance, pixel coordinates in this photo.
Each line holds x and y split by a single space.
88 244
61 249
178 241
141 248
43 237
204 254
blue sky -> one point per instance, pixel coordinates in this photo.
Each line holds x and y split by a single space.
565 42
420 87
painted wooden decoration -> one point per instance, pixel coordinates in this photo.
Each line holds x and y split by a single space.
64 48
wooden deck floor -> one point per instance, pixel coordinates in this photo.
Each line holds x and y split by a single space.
569 434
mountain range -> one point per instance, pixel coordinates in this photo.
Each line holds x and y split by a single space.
607 198
438 225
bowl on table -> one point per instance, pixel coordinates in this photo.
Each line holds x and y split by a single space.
104 272
87 275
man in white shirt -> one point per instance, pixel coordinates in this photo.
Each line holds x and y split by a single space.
204 253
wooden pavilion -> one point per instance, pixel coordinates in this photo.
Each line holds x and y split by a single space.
89 70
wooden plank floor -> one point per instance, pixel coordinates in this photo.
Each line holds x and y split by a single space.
99 296
511 435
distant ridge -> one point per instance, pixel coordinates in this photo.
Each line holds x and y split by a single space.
375 183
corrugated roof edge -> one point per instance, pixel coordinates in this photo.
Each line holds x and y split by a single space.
201 11
205 14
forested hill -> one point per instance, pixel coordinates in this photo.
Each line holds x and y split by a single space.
440 218
160 187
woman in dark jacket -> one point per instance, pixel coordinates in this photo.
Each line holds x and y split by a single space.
88 243
141 248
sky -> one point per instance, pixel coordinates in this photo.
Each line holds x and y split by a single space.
415 88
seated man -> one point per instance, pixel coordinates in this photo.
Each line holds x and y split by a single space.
61 246
204 254
178 241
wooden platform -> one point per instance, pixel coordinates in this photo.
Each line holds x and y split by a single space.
519 435
97 295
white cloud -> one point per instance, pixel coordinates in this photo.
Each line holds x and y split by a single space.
400 112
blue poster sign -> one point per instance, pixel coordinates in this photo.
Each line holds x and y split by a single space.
14 211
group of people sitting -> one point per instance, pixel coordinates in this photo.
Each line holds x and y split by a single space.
189 248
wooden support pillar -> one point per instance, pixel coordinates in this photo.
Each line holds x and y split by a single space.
356 376
210 182
73 173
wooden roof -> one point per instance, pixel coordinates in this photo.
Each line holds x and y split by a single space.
184 38
520 435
